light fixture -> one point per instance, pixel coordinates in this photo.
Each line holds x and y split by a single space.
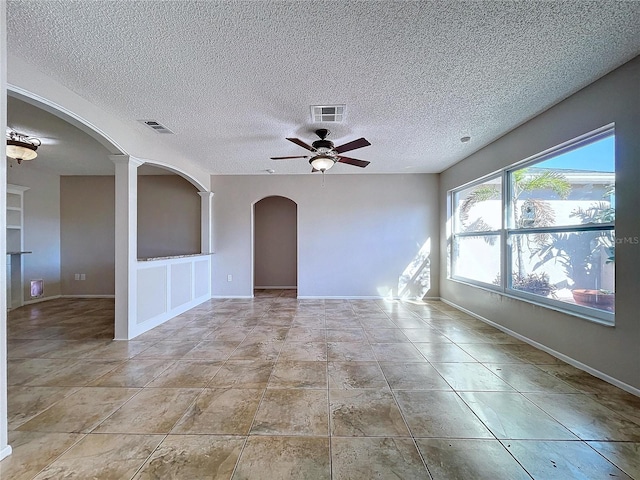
322 163
21 146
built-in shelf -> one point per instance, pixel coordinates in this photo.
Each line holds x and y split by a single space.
15 245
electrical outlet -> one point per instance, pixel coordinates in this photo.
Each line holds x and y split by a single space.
77 276
229 278
83 276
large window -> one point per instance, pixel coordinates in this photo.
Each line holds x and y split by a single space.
478 224
544 230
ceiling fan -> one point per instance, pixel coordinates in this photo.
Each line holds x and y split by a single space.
325 154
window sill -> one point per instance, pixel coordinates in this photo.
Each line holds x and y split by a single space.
532 301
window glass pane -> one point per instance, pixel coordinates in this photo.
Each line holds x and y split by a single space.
477 258
572 267
479 208
570 188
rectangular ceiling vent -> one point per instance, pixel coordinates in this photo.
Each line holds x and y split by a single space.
327 113
156 126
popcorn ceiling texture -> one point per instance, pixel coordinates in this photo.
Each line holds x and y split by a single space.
233 79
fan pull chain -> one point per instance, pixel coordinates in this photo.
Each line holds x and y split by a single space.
323 178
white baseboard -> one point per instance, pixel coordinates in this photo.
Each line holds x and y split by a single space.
55 297
364 297
329 297
565 358
415 300
142 326
276 288
41 299
231 296
326 297
87 296
339 297
5 452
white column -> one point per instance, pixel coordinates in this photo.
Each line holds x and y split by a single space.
5 449
126 244
206 222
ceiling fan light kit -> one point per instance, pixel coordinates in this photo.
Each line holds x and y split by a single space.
21 146
326 155
322 163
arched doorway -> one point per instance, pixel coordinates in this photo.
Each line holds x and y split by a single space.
90 165
275 244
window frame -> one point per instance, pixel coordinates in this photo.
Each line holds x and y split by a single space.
506 232
499 233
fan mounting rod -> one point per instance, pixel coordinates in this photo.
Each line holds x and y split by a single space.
323 133
323 146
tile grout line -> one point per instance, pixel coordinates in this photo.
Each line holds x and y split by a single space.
404 419
144 462
255 414
359 315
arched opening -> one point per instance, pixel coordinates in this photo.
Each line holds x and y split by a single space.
70 210
101 163
169 214
275 244
66 217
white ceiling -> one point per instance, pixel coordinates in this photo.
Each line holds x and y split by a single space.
232 79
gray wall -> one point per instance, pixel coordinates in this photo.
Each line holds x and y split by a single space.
275 243
168 224
612 351
356 235
87 223
41 227
168 216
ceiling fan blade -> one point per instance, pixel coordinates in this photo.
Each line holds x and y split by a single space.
299 142
353 161
284 158
359 143
313 170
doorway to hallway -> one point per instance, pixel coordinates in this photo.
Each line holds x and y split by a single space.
275 244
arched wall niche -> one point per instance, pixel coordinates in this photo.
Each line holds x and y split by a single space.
275 243
169 213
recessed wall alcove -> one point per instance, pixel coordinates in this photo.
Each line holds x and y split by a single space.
275 260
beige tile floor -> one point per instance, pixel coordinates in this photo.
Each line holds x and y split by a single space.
279 388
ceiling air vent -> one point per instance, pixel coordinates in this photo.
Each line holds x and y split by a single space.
155 126
327 113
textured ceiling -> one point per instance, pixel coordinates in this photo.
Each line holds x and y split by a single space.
233 79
